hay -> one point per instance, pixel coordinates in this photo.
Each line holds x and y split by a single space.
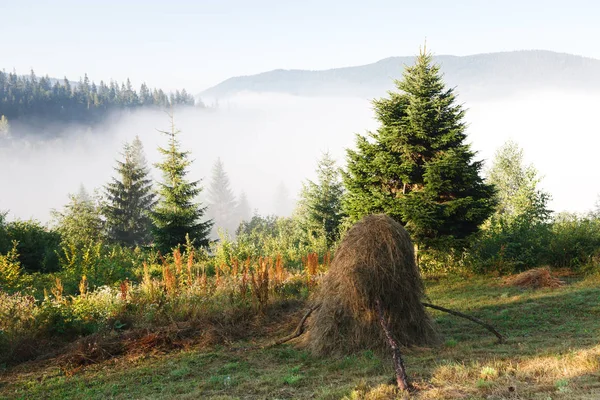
534 279
375 262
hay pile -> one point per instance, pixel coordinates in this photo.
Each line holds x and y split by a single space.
374 262
534 279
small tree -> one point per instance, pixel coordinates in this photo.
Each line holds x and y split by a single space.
221 200
176 214
4 126
282 203
417 167
130 199
517 187
80 222
243 211
517 236
320 204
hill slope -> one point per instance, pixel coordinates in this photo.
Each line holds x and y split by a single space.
480 75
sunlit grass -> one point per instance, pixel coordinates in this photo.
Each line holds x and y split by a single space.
552 351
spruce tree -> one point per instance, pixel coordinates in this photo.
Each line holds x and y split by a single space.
417 167
283 205
130 199
221 200
243 211
320 204
176 214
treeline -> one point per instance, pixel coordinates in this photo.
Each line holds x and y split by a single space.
31 99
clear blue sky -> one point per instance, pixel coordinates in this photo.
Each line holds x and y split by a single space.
196 44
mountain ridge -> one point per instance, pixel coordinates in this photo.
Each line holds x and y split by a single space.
474 75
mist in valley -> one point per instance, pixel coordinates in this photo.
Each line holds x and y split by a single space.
269 140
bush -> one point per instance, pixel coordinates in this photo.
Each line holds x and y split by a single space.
37 245
510 247
575 242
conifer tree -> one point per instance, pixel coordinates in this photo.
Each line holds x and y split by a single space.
320 204
282 203
243 211
417 167
130 199
221 200
176 214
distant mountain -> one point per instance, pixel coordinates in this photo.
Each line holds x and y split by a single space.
475 76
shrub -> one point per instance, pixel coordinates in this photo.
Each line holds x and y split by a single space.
575 242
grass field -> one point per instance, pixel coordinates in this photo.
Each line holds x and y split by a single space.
552 352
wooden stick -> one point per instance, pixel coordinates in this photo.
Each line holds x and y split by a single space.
401 377
470 318
299 329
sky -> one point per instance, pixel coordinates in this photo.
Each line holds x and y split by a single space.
197 44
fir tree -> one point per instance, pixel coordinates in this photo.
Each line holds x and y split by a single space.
282 202
130 199
320 205
176 214
417 166
221 200
243 211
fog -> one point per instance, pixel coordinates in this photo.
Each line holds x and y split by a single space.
265 140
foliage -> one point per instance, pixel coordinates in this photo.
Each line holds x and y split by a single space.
80 222
176 214
221 200
130 199
36 244
272 236
10 269
417 167
517 235
517 187
575 242
320 204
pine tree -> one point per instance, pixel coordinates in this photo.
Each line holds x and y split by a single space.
417 166
221 200
130 199
176 214
282 202
243 211
320 205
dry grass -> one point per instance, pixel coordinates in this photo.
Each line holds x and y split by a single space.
374 263
534 279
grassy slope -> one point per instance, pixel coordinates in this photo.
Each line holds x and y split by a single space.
553 352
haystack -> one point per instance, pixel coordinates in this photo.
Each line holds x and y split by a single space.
537 278
375 263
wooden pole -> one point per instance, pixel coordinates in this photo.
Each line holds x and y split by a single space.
401 377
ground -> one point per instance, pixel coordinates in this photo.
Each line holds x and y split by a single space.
552 352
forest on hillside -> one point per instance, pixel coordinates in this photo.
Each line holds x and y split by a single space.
31 104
